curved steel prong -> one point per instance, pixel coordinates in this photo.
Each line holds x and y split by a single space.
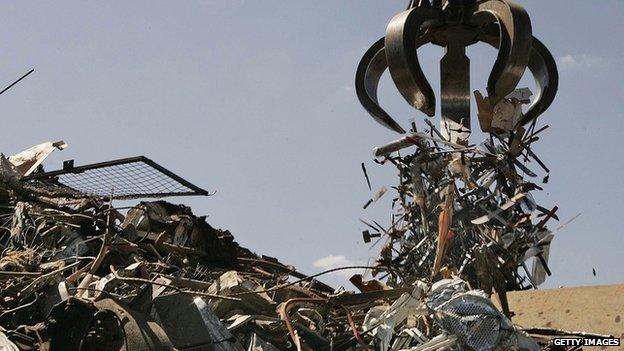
514 45
369 72
402 41
544 69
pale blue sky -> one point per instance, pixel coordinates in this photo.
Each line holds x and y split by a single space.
255 99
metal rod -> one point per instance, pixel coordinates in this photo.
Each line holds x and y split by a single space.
17 81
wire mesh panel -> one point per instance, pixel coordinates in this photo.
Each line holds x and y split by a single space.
128 178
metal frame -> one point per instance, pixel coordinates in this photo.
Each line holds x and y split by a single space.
69 168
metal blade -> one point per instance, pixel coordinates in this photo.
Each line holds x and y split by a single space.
455 87
369 72
514 46
402 41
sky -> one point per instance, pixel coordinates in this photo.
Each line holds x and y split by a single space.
255 100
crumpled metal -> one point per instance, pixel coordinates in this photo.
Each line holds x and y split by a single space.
471 316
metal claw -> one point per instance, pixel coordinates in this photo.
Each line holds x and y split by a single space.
456 24
514 44
403 37
543 67
369 72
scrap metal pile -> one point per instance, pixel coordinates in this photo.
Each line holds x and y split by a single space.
80 274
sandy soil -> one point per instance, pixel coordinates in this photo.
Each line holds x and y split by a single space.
596 309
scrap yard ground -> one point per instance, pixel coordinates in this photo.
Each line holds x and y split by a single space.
596 308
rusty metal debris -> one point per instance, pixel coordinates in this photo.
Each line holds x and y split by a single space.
80 274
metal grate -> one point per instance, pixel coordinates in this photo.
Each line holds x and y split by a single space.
128 178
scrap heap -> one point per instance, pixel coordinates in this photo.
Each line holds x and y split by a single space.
80 274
